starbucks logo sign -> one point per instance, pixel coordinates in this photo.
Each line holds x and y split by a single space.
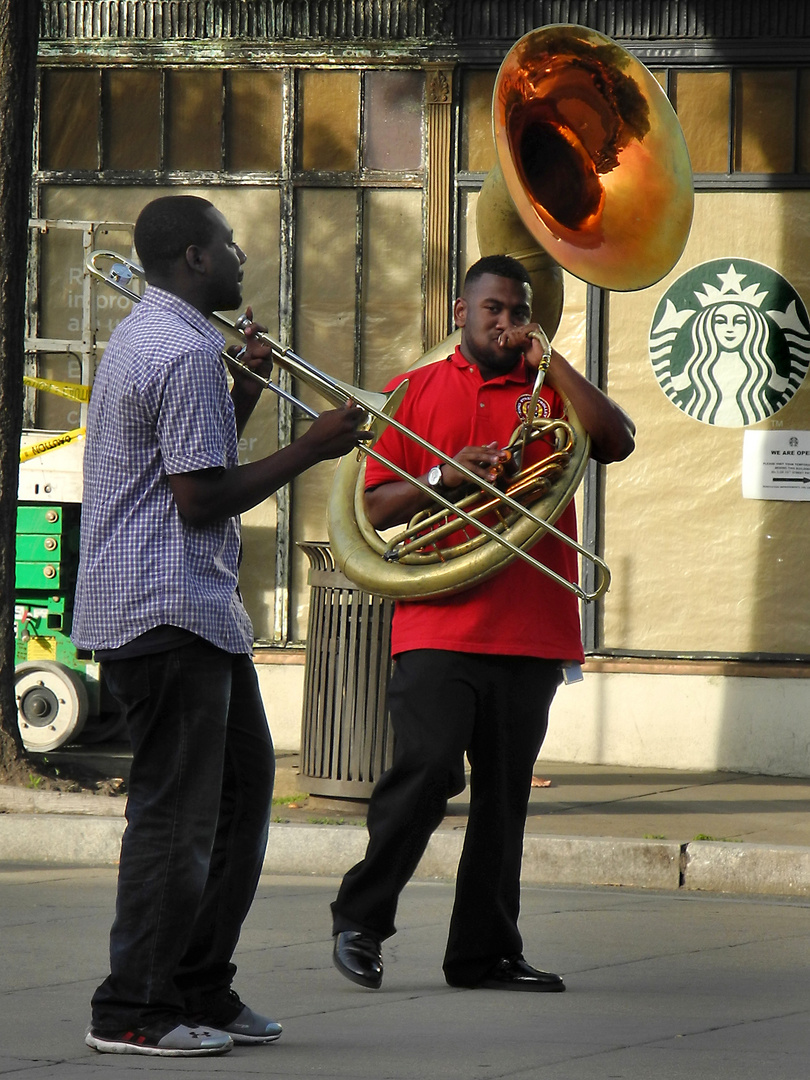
730 342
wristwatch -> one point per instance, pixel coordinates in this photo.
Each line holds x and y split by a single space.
434 478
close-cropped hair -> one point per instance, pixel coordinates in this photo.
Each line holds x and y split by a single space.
501 266
168 226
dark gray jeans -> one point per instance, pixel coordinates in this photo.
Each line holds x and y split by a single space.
198 811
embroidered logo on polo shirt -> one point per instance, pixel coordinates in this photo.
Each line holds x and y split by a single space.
542 410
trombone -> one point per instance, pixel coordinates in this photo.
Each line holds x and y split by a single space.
380 409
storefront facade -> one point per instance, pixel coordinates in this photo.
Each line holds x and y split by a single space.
347 143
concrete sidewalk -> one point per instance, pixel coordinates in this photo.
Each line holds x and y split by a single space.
594 825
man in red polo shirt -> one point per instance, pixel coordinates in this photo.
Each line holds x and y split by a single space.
475 672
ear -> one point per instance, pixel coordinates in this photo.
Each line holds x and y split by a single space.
195 259
460 312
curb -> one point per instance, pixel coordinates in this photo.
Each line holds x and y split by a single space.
777 869
84 839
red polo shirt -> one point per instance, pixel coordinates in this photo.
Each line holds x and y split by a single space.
520 611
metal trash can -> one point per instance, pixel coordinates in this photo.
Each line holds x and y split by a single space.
346 738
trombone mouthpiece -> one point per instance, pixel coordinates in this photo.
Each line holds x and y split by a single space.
242 321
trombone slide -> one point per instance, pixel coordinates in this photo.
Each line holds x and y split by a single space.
381 409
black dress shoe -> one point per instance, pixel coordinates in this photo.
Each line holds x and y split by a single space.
358 956
513 973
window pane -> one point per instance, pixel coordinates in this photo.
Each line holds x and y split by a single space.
253 129
60 285
393 120
324 320
330 120
69 126
132 119
194 120
252 212
703 103
764 122
54 413
468 239
325 295
477 143
391 330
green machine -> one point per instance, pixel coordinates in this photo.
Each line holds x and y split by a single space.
56 685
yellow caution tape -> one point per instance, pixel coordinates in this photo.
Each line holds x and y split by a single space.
52 443
74 391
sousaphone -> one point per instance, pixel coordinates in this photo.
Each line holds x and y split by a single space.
593 176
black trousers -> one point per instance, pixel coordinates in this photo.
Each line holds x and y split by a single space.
198 810
443 705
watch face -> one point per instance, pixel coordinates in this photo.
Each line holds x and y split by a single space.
435 476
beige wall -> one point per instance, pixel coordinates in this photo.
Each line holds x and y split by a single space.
696 567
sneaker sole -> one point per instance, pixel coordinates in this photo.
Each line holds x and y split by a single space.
253 1040
105 1046
247 1040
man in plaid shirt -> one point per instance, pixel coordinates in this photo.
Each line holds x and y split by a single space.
158 601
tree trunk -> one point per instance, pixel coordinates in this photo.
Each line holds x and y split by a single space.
19 31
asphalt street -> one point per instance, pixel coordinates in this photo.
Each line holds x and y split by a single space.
664 985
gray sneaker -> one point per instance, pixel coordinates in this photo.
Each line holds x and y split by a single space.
178 1041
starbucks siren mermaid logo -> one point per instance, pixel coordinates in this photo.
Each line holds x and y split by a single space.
730 342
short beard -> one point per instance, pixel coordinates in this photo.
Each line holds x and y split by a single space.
501 361
233 302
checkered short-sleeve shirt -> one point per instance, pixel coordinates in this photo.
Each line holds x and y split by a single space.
159 406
